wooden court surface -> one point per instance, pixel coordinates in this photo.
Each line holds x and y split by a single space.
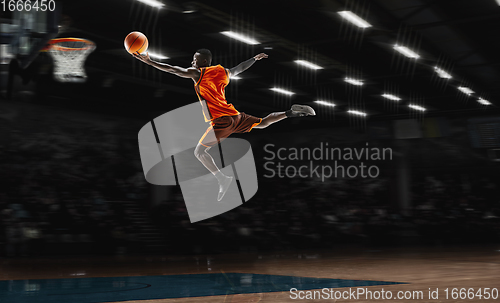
421 268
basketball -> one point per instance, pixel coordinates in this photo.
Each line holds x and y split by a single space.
136 42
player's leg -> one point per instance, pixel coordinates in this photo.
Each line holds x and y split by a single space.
270 119
201 153
209 139
295 111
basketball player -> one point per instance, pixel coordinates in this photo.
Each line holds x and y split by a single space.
209 83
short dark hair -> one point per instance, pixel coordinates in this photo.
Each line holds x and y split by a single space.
205 54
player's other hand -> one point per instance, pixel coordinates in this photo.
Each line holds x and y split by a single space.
144 58
260 56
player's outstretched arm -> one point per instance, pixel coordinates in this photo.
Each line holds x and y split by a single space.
243 66
190 72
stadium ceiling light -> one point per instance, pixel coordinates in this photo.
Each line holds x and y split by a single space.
483 101
240 37
354 19
357 113
326 103
153 3
158 56
406 51
465 90
282 91
308 64
353 81
420 108
441 73
391 97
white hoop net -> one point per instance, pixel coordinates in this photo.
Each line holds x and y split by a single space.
69 56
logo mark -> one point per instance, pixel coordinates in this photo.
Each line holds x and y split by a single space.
167 158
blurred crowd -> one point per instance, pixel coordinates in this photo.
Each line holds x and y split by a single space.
61 173
69 178
307 215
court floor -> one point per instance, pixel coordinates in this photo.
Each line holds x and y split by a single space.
452 274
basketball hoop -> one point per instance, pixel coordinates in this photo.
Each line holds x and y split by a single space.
69 55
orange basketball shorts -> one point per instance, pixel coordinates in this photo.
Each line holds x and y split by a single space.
224 126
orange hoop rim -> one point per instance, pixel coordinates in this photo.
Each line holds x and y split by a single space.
53 44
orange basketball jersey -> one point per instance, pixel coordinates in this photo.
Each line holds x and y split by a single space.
210 91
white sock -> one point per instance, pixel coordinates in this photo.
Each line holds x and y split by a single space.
220 176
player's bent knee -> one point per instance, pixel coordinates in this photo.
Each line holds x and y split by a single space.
199 151
262 125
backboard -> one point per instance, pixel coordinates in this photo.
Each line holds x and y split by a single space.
26 33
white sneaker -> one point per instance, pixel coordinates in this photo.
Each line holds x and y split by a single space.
223 187
301 111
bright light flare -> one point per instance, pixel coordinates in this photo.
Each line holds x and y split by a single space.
357 113
483 101
391 97
441 73
417 107
326 103
406 51
282 91
354 19
308 64
353 81
465 90
152 3
240 37
158 56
